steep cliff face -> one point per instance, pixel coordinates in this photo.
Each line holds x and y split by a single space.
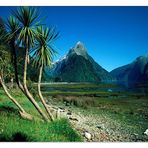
135 72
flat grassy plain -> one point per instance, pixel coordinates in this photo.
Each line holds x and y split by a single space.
13 128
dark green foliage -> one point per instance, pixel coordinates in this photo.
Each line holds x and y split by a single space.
2 26
6 53
2 31
6 67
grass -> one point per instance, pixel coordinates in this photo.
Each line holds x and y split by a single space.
125 112
78 85
14 128
82 93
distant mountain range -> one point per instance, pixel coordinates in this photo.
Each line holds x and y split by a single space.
77 66
135 72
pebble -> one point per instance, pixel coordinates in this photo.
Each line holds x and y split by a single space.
135 134
69 113
87 135
61 109
146 132
100 126
73 118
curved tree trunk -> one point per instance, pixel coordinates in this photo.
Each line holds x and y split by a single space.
40 94
24 88
21 110
27 93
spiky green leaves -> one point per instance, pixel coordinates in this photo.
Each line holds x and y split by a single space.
12 24
44 52
13 27
24 25
27 17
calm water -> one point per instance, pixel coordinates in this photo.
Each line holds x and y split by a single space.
88 87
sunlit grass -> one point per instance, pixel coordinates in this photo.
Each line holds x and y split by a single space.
14 128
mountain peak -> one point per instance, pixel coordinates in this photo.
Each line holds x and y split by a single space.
142 58
79 44
79 49
78 66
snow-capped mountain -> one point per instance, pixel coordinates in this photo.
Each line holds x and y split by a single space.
77 66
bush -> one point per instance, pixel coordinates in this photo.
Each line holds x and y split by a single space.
81 101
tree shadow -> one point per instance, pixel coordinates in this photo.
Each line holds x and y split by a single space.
3 138
17 137
8 109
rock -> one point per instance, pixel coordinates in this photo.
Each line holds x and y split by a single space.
146 132
61 109
69 113
87 135
135 134
100 126
73 118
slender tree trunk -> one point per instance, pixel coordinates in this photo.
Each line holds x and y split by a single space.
41 96
21 110
24 88
14 60
28 94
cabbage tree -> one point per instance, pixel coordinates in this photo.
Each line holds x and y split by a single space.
43 54
28 21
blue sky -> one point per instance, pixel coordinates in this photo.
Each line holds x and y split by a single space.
113 36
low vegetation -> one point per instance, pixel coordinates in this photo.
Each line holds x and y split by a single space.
14 128
125 116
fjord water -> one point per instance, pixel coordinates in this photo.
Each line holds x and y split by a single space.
116 87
